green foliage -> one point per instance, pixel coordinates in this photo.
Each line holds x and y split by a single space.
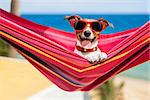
4 48
109 91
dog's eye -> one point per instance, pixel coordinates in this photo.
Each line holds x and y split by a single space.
96 26
79 25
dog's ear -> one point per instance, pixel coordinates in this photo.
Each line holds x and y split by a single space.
105 23
72 19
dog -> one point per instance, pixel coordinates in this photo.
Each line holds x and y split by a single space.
87 33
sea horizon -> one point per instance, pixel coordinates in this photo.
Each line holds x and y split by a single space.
121 22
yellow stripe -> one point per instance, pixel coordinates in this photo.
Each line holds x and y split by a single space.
48 51
142 38
116 57
78 70
48 69
34 49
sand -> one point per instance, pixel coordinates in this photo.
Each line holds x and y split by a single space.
135 89
20 80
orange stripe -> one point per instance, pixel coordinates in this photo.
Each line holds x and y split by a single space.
65 64
51 53
48 69
143 38
116 57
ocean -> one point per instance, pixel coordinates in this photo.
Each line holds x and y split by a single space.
120 22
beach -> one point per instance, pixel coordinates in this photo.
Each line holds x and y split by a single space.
135 89
20 80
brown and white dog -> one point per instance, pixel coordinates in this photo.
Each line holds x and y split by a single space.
87 32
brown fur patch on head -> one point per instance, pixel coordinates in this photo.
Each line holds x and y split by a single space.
78 35
105 23
96 34
72 19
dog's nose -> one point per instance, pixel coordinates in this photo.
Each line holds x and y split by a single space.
87 33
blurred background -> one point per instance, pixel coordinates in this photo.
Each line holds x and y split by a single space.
124 14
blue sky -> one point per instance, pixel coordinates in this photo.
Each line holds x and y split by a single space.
81 6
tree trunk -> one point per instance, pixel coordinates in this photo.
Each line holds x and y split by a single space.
14 10
15 7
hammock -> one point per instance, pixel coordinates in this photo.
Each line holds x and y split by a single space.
51 52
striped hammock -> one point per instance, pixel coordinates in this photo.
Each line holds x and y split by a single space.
51 52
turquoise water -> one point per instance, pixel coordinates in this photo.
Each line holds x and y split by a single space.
121 22
141 72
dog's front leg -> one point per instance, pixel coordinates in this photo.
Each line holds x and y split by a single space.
93 57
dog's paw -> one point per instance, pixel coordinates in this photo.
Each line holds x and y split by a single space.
93 59
96 57
93 62
103 56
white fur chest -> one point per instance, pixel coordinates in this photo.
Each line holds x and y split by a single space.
92 56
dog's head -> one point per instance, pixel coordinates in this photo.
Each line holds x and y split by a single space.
87 30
